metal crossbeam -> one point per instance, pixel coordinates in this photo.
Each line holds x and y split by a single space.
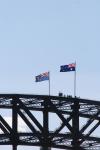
70 111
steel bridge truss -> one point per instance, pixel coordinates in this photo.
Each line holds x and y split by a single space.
71 112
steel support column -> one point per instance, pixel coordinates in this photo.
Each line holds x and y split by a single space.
45 126
75 125
14 147
14 123
44 148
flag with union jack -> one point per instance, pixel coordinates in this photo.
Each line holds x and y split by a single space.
69 67
42 77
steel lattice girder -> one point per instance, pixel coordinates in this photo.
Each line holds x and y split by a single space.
73 108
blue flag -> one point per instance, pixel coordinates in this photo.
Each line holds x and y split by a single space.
42 77
66 68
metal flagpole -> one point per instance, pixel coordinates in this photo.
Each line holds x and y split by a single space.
75 81
49 83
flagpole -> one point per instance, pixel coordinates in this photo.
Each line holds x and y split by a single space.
49 83
75 81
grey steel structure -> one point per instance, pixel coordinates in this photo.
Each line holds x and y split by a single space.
68 109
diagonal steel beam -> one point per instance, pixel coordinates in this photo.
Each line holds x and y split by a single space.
5 124
60 128
60 115
22 106
29 125
93 129
89 122
3 128
90 132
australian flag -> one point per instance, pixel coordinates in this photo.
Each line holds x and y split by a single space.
42 77
66 68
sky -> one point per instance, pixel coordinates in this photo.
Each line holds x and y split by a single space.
41 35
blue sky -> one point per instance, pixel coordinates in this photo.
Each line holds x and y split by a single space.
40 35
